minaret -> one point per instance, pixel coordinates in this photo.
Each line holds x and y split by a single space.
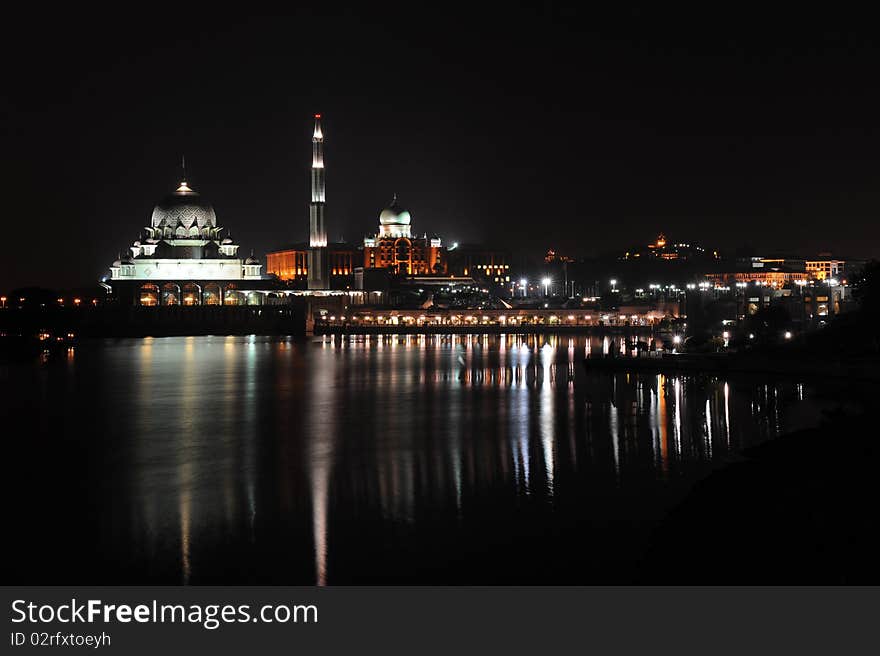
318 260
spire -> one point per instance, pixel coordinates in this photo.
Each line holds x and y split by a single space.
318 144
183 186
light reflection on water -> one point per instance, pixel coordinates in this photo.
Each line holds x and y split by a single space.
238 459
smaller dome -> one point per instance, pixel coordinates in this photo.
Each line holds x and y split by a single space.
252 260
117 263
226 241
394 214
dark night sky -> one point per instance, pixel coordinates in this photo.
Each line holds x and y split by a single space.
531 128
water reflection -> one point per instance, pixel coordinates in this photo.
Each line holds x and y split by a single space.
256 459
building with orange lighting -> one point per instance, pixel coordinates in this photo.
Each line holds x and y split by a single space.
825 268
393 247
291 264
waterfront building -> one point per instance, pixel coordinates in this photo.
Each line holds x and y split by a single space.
184 257
512 318
394 248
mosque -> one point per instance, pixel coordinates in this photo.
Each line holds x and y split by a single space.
183 257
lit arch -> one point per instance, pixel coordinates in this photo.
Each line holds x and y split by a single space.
148 295
211 294
170 294
192 294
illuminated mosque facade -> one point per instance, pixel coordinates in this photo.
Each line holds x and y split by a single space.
183 257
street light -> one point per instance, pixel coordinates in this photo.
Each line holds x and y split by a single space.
613 284
546 282
524 284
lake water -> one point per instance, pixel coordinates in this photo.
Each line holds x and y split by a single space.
382 459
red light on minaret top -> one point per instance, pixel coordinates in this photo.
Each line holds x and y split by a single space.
317 116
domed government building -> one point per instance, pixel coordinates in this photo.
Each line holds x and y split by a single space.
394 248
183 257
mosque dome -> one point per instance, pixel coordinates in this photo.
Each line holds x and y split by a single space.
394 215
183 207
